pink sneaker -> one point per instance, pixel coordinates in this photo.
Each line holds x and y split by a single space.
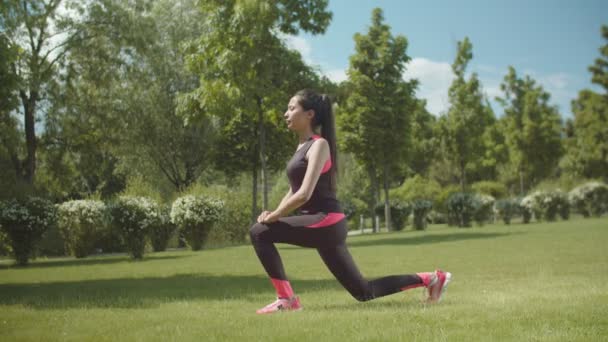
281 304
438 288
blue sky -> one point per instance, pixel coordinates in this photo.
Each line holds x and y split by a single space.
552 41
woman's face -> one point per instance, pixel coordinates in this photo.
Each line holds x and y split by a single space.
296 117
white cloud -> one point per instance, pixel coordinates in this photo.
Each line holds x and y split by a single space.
336 75
299 44
434 80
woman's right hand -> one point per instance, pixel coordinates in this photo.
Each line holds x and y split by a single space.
263 216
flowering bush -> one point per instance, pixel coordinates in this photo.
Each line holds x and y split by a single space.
461 208
546 205
421 209
24 222
526 205
590 198
195 215
484 205
505 209
134 217
161 232
80 224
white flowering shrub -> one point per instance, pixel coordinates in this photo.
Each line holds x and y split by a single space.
161 233
590 198
24 222
80 223
546 205
134 217
526 205
484 207
195 215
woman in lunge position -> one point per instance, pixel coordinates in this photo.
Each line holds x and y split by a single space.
320 222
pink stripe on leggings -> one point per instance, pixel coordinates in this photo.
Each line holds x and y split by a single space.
330 219
283 288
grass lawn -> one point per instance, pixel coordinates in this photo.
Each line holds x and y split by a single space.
536 282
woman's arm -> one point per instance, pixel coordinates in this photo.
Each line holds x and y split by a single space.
317 155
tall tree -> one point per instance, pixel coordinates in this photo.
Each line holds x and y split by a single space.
380 105
468 117
37 29
533 129
247 74
587 147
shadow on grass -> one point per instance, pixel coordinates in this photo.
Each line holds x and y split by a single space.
100 260
405 239
145 292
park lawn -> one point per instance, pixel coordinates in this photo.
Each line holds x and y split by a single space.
536 282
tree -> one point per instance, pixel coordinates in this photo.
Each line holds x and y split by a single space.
587 144
533 129
379 106
31 26
247 74
467 117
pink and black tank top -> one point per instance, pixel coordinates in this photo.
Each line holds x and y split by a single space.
323 199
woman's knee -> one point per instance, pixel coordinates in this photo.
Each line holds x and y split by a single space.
256 230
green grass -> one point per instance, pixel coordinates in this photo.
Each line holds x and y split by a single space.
537 282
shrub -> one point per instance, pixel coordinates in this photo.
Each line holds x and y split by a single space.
545 204
24 221
484 205
494 189
461 208
195 215
415 188
421 209
163 229
400 211
134 217
590 198
441 204
526 208
5 246
80 224
436 217
506 209
563 205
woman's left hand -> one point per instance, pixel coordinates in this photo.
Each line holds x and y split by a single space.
272 217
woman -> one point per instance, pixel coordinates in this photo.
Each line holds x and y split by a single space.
321 223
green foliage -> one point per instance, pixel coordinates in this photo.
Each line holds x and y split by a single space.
233 224
134 217
484 208
24 222
81 223
163 229
400 211
494 189
468 116
421 209
417 187
441 203
533 131
506 209
587 144
195 215
380 103
590 199
461 208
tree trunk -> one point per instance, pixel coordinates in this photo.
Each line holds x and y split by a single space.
463 180
387 206
521 182
374 189
262 138
254 198
29 109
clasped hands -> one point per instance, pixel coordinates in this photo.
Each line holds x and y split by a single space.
267 217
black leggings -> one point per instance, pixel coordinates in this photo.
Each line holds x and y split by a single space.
330 243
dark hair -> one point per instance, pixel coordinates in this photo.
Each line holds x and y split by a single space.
324 117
